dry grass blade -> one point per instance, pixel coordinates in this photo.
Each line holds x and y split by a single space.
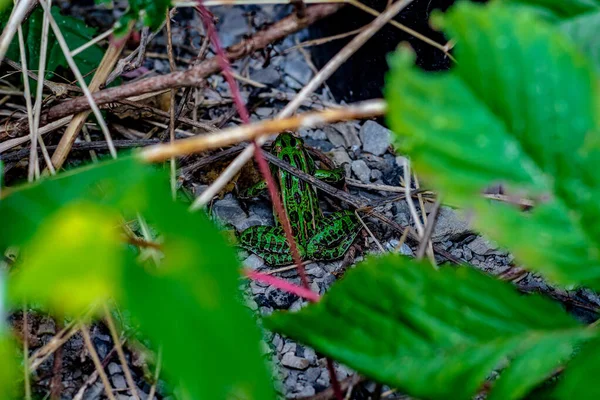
162 152
59 156
17 16
97 362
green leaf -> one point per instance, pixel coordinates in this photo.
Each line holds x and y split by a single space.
583 30
435 334
9 369
577 381
152 13
72 258
578 19
72 262
76 33
559 9
526 115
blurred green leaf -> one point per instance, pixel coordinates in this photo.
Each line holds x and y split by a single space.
558 9
577 382
526 115
72 258
9 368
192 299
435 334
76 33
72 262
578 19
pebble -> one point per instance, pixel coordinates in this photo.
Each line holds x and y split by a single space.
118 381
361 170
375 138
292 361
289 347
317 272
312 374
483 247
46 328
449 225
254 262
268 76
114 368
278 299
334 136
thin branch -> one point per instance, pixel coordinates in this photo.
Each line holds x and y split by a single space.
92 42
26 354
195 76
172 105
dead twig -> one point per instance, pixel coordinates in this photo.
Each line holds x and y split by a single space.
97 363
196 75
242 133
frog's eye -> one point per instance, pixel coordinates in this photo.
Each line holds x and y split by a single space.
278 148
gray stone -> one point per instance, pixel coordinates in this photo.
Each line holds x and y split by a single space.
312 374
392 245
316 271
376 174
94 392
334 136
268 76
449 225
310 355
289 347
361 170
278 342
254 262
264 112
467 253
114 368
233 24
229 211
279 299
291 361
483 247
305 391
118 381
375 138
315 134
297 69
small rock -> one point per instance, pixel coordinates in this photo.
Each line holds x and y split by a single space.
307 391
316 271
449 226
229 211
94 392
312 374
361 170
263 112
483 247
291 361
114 368
315 134
467 253
334 136
278 342
279 299
376 174
118 381
268 76
289 347
375 138
254 262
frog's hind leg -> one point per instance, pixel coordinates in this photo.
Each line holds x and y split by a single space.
269 243
335 235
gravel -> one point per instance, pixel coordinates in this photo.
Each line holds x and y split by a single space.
375 138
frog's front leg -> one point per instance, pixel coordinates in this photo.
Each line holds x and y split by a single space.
333 176
334 236
269 243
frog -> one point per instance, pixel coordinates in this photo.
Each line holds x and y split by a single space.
318 237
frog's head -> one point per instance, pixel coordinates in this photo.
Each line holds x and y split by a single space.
286 141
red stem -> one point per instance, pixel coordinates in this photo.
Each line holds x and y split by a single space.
211 31
263 167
